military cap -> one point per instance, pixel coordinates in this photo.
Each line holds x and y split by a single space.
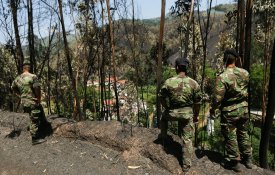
182 62
228 52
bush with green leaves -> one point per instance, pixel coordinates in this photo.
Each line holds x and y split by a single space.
256 85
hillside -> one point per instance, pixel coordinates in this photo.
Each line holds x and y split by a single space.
98 148
171 37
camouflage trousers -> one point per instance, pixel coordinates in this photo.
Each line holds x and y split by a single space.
37 117
235 132
186 132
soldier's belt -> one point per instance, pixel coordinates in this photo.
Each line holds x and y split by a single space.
234 106
180 107
234 102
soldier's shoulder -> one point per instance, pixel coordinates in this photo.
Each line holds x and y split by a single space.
20 77
17 77
33 75
30 75
222 75
242 71
175 78
172 81
15 81
193 82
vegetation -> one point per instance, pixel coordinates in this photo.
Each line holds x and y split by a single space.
96 60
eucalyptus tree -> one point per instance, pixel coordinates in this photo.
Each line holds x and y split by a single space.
77 110
265 28
112 44
159 62
31 36
264 24
268 123
189 27
14 7
132 45
86 45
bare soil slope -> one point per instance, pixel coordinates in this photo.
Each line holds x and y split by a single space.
97 148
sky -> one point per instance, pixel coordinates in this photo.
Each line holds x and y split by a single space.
152 8
145 9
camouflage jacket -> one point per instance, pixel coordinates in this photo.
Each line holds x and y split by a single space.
230 91
179 93
24 85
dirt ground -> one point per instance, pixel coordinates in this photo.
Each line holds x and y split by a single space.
98 148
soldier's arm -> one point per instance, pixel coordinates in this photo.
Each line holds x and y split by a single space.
163 96
197 102
15 89
37 89
37 92
219 91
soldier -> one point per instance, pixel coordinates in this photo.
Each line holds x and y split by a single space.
27 87
230 101
181 97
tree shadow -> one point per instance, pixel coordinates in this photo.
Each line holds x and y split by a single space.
171 147
213 156
14 134
45 129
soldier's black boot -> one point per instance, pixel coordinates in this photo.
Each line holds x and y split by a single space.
185 169
233 165
36 140
162 136
247 163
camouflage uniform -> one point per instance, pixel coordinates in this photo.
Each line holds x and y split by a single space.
179 93
24 84
230 97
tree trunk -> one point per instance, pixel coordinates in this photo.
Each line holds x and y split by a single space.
49 88
77 110
102 65
19 52
31 37
194 70
159 65
48 52
241 12
267 125
238 28
186 42
135 59
266 59
57 100
57 75
249 6
204 41
113 56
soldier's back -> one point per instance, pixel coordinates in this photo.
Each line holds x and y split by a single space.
236 82
24 83
181 89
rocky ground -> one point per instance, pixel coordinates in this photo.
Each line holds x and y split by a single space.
98 148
